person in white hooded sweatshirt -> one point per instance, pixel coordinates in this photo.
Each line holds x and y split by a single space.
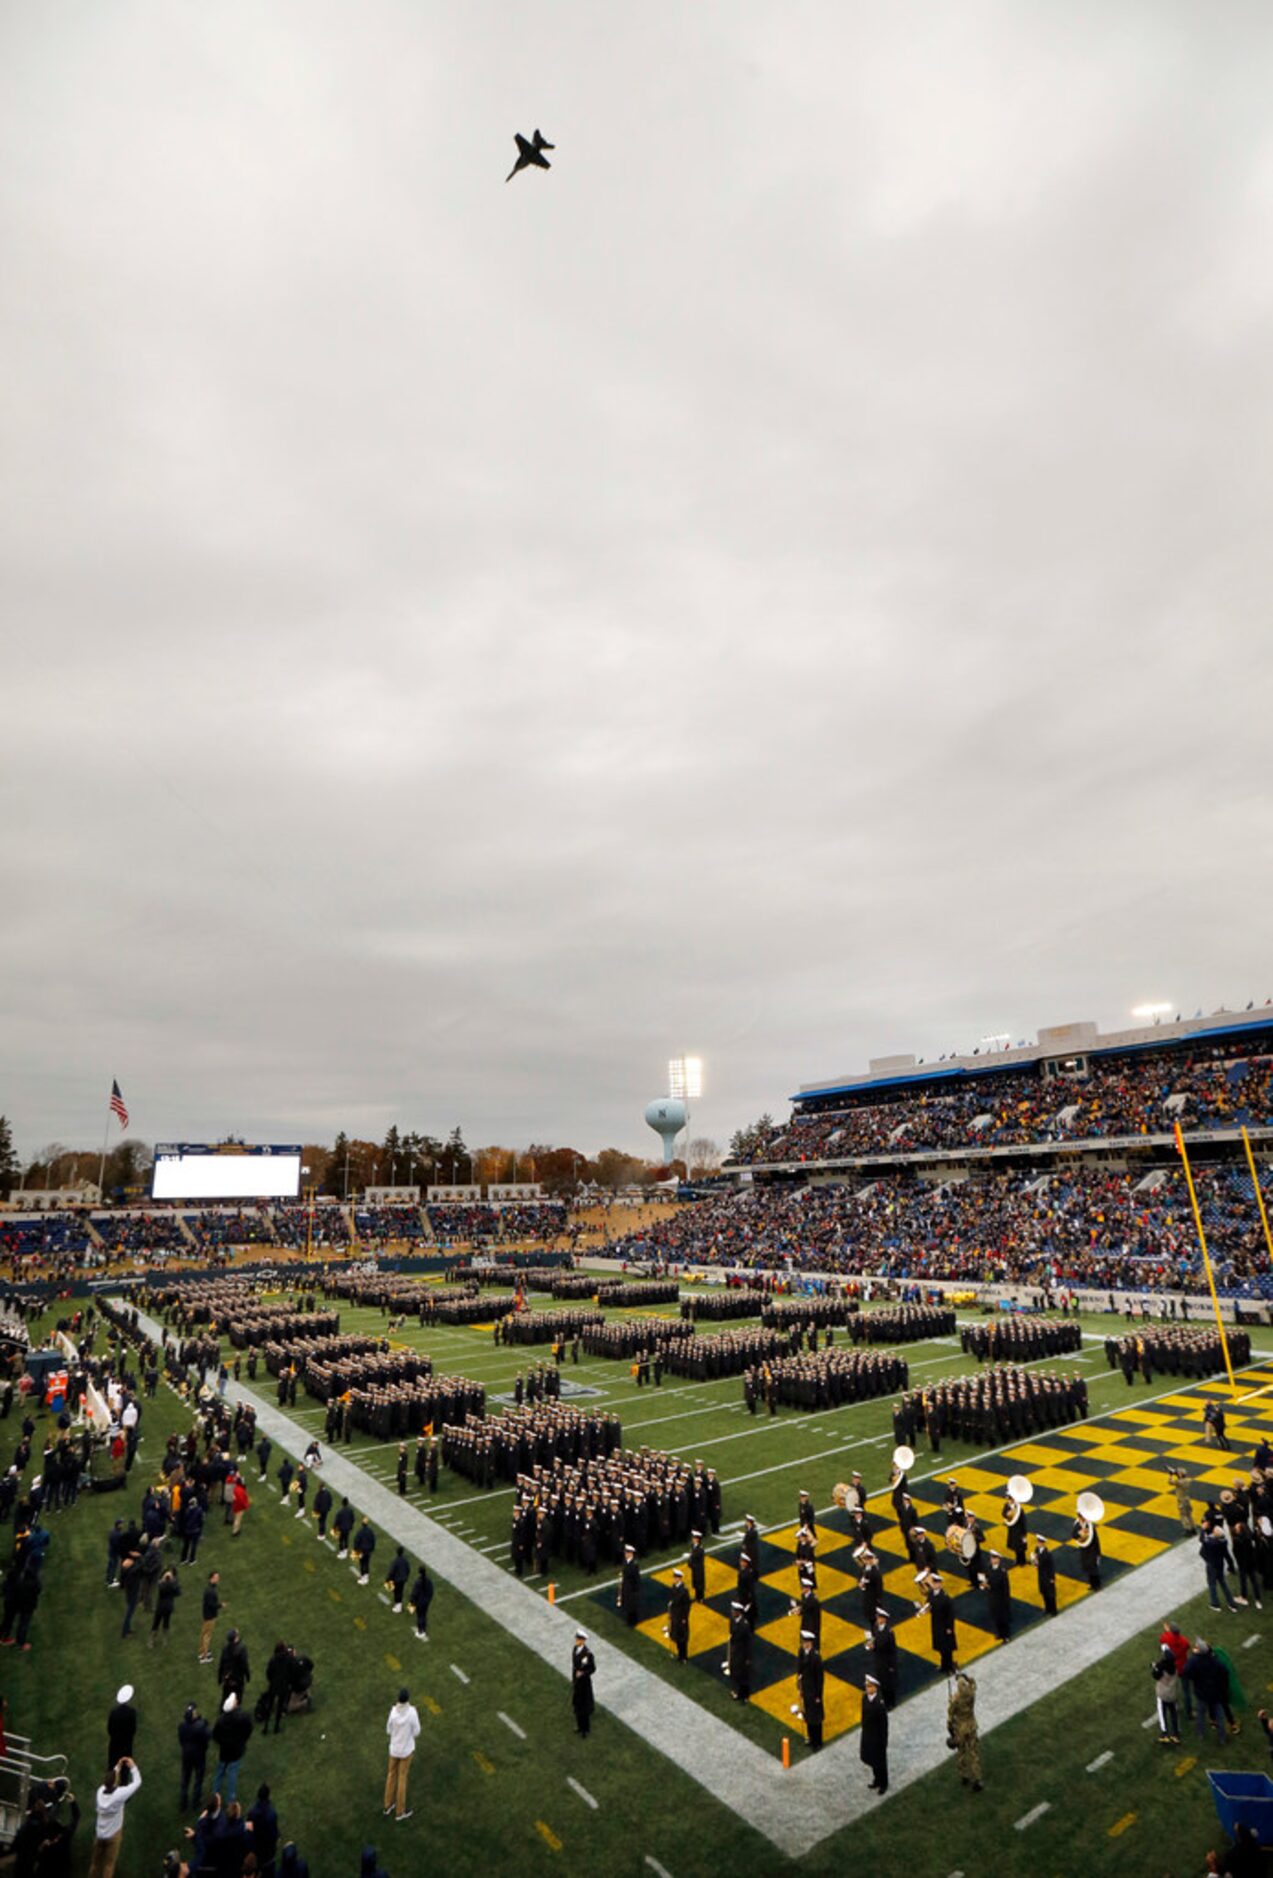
112 1797
402 1728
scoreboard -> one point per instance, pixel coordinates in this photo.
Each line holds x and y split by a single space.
186 1170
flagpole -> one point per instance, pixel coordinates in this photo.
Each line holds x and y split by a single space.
101 1165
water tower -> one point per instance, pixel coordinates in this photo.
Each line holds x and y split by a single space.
666 1118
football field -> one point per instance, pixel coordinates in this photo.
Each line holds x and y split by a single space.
502 1781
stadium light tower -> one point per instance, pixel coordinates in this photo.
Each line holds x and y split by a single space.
1151 1013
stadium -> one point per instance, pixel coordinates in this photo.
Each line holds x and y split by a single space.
878 1366
535 542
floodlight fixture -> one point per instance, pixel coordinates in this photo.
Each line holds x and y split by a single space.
685 1078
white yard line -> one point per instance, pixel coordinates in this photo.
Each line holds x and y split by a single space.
457 1671
1036 1812
583 1792
1100 1761
511 1725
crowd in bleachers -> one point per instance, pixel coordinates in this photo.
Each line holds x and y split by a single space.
219 1229
1119 1096
389 1225
150 1235
295 1229
1079 1227
41 1245
456 1222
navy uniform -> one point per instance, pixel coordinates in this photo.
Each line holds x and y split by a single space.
678 1616
999 1598
809 1676
583 1667
874 1733
628 1600
738 1661
882 1643
698 1567
1045 1567
941 1615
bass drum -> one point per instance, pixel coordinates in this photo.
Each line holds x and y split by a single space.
840 1493
955 1537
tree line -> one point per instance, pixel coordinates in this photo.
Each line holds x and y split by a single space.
404 1158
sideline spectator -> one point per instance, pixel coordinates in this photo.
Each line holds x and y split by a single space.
402 1728
118 1788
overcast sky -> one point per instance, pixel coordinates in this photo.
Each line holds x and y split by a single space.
791 583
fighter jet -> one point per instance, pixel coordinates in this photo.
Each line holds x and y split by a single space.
528 153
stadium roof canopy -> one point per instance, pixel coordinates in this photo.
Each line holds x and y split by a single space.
1058 1044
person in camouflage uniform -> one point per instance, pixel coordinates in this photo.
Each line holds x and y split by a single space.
961 1729
1180 1486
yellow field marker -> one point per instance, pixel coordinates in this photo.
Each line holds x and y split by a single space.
1120 1825
360 1623
548 1836
1183 1767
487 1767
310 1565
391 1662
434 1708
286 1537
334 1596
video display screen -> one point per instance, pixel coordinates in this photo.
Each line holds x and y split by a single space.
188 1171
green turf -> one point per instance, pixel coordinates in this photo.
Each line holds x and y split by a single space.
278 1580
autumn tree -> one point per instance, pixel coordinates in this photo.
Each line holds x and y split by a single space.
704 1157
10 1166
615 1169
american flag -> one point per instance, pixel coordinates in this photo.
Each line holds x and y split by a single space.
117 1105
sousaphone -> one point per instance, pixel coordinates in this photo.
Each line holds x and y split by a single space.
903 1461
1020 1493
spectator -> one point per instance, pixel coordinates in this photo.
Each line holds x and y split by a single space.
193 1736
402 1728
263 1819
118 1788
121 1727
1210 1687
1166 1692
231 1733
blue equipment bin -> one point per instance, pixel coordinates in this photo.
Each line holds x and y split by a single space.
1243 1800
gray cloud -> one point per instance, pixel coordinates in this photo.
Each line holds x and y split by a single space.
789 583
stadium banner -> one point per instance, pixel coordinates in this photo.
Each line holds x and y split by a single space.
188 1170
